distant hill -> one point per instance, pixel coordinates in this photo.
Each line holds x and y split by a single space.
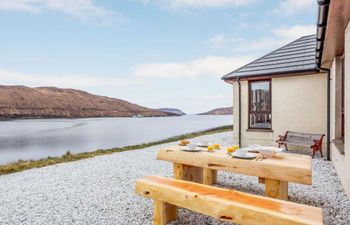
219 111
173 111
52 102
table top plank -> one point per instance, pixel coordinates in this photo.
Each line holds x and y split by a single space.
285 166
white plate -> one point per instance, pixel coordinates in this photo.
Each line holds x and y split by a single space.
203 145
192 150
263 148
243 150
242 155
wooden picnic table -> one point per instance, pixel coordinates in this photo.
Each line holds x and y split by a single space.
202 167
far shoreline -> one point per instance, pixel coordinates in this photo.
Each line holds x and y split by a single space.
94 117
99 117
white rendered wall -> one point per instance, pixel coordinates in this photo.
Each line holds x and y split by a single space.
299 103
342 161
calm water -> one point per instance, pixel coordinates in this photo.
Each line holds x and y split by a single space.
34 139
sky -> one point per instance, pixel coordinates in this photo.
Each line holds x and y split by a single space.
156 53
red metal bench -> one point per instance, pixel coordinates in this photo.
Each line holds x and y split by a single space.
313 141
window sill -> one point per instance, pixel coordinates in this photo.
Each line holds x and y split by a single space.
259 130
339 144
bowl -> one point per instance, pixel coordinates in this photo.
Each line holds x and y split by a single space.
267 153
254 146
191 146
203 143
242 150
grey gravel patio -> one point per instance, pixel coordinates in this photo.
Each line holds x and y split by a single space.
100 191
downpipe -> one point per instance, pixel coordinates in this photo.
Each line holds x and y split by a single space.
328 112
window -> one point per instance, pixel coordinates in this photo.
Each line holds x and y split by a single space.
339 122
342 97
260 104
339 89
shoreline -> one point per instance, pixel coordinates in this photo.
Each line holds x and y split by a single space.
5 119
72 118
22 165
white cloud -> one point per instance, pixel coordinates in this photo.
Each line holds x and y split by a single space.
217 39
18 5
279 37
82 9
295 31
10 77
206 66
215 97
199 4
292 7
220 40
257 25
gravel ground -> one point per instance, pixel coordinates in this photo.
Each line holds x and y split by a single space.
100 191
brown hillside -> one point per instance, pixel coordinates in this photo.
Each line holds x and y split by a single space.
51 102
219 111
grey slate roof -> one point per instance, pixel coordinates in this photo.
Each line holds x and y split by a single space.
297 56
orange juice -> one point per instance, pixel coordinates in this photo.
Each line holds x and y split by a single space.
216 146
230 149
210 148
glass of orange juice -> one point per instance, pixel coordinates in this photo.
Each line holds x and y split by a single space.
216 146
210 148
230 149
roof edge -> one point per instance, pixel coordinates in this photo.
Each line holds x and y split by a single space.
290 43
275 74
322 20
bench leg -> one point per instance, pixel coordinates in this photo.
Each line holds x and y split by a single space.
283 144
276 189
315 150
163 213
209 176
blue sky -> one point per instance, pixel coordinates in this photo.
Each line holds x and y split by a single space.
157 53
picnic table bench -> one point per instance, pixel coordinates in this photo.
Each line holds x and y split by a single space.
275 173
313 141
223 204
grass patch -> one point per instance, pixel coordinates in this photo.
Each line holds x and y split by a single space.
21 165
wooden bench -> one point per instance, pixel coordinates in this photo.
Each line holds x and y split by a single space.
313 141
223 204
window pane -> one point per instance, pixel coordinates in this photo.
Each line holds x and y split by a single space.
260 104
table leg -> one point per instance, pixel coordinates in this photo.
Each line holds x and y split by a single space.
276 189
261 180
209 176
189 173
215 176
178 170
163 213
195 174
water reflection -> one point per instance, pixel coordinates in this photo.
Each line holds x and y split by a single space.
33 139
